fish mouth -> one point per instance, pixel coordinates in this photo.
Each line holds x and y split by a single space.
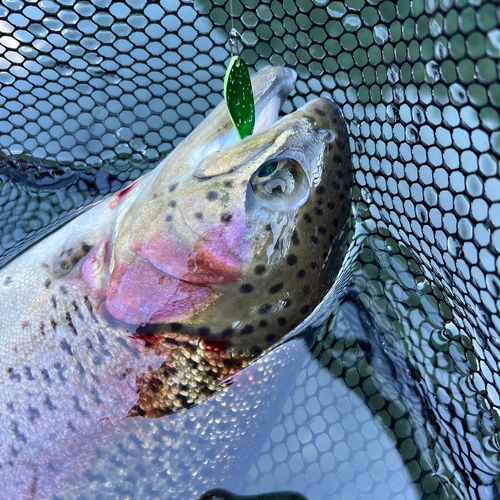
277 85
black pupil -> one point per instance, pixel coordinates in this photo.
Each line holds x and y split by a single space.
267 169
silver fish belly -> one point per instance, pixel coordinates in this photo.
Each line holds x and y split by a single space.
146 303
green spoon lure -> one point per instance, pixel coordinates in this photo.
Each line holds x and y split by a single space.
239 96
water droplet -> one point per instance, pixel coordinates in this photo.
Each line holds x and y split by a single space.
391 114
482 315
454 247
113 78
366 194
398 94
435 27
422 214
380 34
411 134
64 69
458 94
422 282
392 75
440 50
494 40
95 71
432 71
138 144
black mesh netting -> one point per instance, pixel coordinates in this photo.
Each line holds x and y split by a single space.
400 398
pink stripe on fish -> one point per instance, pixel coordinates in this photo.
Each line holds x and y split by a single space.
140 293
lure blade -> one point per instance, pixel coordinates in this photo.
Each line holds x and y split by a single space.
239 96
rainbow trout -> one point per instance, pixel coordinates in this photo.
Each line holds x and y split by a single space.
153 299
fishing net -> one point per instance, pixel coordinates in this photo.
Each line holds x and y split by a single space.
400 397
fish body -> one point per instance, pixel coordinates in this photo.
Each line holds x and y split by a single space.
152 299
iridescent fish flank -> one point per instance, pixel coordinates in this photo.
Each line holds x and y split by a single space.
149 302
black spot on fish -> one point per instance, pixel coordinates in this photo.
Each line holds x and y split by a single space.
54 301
307 218
28 372
226 218
291 260
314 265
172 203
33 414
46 376
331 205
227 332
321 230
282 321
228 184
260 269
47 283
198 215
305 309
69 320
7 281
78 406
265 308
256 350
90 309
295 238
320 112
263 323
318 211
25 324
287 303
48 403
169 218
172 188
320 190
53 322
276 288
314 239
246 288
42 328
271 337
335 223
301 274
212 195
63 290
66 346
247 329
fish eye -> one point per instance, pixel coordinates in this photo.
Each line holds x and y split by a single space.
280 183
267 169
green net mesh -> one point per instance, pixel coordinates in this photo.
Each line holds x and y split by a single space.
400 398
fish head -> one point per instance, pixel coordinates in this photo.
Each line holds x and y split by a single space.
237 240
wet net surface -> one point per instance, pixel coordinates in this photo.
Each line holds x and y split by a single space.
399 398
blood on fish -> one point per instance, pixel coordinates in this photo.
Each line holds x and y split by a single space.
118 196
215 345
